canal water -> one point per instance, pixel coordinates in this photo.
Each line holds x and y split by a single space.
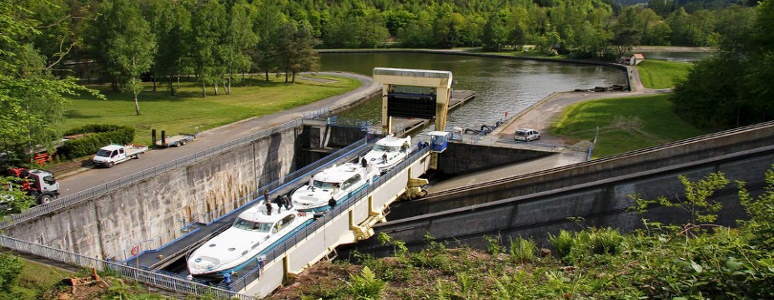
502 85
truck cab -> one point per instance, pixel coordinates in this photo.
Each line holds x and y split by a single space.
111 155
40 184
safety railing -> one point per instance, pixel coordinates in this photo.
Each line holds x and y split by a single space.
251 275
69 200
167 282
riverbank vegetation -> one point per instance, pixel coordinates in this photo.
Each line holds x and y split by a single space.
661 74
188 113
124 43
659 261
733 87
623 124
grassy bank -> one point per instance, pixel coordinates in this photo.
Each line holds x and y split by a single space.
189 111
624 124
660 74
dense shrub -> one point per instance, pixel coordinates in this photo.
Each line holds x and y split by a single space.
94 137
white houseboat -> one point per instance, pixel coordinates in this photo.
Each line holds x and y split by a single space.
334 184
253 232
388 152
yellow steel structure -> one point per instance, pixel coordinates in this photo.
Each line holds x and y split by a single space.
440 80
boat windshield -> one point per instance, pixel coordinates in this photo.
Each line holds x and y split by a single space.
324 185
386 148
252 226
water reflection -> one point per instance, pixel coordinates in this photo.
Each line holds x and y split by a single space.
501 84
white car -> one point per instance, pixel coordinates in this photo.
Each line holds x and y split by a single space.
526 135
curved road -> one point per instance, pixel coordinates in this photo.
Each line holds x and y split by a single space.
85 178
540 116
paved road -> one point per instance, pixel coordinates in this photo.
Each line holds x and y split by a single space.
85 178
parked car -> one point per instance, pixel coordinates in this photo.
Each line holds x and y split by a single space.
526 135
111 155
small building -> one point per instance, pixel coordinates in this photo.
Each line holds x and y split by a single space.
633 59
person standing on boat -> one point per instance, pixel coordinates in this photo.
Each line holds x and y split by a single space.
267 201
285 201
332 202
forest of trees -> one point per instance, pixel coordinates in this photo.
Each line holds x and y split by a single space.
733 87
125 42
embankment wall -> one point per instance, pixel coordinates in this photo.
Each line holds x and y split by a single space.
152 212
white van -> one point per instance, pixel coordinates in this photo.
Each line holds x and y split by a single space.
526 135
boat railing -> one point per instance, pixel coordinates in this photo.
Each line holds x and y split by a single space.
278 250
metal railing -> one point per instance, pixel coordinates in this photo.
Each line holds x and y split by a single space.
253 274
171 283
69 200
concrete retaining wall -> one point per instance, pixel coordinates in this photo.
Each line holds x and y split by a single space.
600 204
459 159
151 212
683 152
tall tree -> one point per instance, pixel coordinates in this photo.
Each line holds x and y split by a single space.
208 26
131 46
32 99
267 25
171 24
709 99
298 55
495 33
239 37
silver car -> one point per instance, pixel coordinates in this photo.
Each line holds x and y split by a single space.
526 135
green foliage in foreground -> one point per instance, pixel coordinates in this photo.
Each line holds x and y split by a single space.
188 111
656 262
661 74
625 124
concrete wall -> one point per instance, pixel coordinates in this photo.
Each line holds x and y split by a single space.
459 159
666 156
600 204
151 212
314 134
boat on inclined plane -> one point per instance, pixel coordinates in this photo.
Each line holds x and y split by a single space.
338 182
253 232
388 152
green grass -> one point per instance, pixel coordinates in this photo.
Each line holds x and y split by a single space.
188 111
625 124
660 74
36 279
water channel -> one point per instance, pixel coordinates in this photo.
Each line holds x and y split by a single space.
501 84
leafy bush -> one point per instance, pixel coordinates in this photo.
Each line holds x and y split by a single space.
95 137
366 285
562 243
523 250
10 267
